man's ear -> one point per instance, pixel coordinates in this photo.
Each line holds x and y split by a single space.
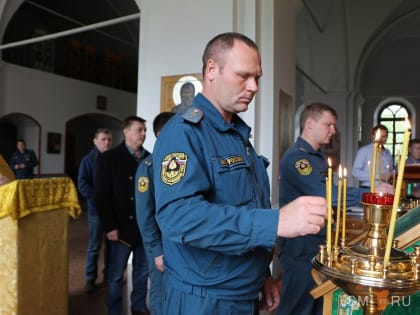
211 69
309 123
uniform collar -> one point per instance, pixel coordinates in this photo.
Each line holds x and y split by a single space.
216 119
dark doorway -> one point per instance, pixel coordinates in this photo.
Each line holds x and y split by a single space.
18 125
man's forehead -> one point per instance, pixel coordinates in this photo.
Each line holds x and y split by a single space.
328 116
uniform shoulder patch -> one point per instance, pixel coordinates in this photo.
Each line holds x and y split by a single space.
193 115
303 166
174 166
143 184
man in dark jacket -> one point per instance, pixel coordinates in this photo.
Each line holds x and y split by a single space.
115 202
23 161
85 183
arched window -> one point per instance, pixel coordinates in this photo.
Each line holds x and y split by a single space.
394 116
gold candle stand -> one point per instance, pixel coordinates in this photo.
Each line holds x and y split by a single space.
359 269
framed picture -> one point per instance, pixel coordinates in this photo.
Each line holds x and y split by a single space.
177 91
53 142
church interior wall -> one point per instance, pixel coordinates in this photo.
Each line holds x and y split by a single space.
52 100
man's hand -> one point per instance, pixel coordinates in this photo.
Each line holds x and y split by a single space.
113 235
270 295
159 263
385 188
304 215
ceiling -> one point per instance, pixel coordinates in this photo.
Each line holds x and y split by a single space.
41 17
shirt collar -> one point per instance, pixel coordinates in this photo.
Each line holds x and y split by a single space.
133 153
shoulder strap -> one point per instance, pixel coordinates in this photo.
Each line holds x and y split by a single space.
193 115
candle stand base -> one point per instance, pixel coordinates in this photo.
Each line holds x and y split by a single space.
359 270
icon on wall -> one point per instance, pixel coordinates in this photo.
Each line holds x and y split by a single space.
177 90
54 142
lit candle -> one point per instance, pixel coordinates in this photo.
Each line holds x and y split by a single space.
387 173
374 154
401 166
329 207
340 187
343 227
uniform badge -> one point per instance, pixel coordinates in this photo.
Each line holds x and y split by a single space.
143 184
173 169
304 167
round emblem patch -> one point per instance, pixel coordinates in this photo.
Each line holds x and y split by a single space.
173 168
143 184
304 167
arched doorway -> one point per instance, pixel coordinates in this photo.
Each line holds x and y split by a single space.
79 135
15 126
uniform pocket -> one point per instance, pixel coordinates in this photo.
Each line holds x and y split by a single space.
232 181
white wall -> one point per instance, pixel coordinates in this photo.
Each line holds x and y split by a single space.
173 35
333 57
52 100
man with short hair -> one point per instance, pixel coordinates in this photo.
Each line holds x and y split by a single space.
23 161
413 152
363 161
102 142
303 172
212 194
151 234
114 196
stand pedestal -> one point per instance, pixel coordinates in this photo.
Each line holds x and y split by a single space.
407 232
34 245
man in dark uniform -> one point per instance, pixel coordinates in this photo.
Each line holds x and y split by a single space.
23 161
146 212
213 197
303 170
114 196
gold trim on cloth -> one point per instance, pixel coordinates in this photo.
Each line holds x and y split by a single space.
20 198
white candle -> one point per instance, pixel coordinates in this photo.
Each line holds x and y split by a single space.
374 154
340 186
329 207
395 205
343 227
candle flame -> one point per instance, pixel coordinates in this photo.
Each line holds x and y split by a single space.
329 162
345 172
340 171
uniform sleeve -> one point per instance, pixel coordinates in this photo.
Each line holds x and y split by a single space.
145 209
302 175
104 193
183 188
305 175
